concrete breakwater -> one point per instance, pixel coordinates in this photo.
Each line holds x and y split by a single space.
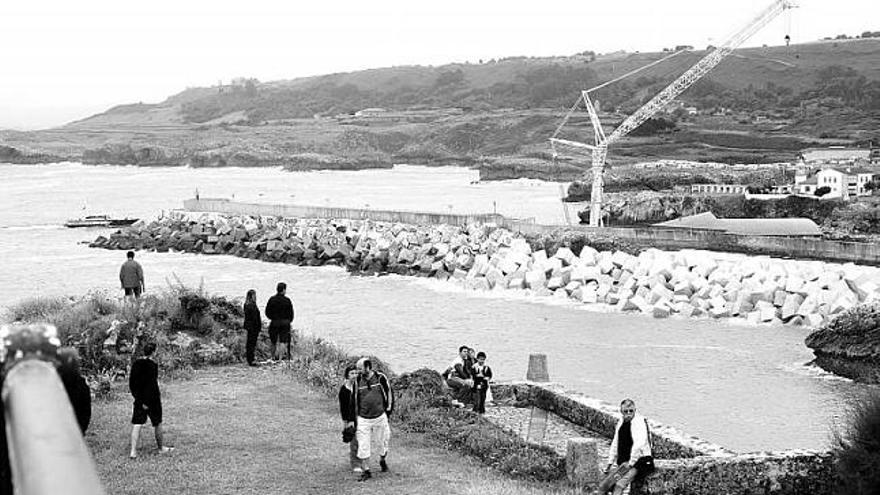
486 257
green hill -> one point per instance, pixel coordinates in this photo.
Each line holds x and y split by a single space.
495 114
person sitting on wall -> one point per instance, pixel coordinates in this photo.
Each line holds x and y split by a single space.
630 453
458 377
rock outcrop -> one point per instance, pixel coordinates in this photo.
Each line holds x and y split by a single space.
849 345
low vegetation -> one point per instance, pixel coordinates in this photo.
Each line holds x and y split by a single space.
194 329
857 448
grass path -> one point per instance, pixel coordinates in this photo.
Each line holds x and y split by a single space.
240 430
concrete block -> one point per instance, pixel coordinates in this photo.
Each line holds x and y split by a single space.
555 283
582 463
588 256
494 276
814 320
589 296
605 265
612 298
791 305
643 292
516 283
507 265
565 255
572 286
539 258
660 311
686 309
719 312
620 258
754 317
779 298
535 279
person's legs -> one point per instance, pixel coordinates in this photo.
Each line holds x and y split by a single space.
135 434
609 481
625 481
251 346
479 399
362 434
353 460
385 436
273 342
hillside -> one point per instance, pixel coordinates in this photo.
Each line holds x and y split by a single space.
496 114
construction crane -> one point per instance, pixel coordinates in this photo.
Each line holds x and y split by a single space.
599 149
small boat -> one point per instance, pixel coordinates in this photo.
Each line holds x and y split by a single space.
99 221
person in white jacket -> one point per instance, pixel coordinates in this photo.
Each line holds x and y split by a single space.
630 444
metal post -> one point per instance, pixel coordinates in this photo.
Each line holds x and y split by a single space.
47 453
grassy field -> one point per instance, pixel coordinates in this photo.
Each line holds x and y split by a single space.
259 431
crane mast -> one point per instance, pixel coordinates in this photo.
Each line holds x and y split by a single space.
600 149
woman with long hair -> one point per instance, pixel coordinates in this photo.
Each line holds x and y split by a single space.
253 323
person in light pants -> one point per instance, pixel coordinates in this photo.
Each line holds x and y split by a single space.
373 401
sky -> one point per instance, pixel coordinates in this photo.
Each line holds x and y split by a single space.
64 60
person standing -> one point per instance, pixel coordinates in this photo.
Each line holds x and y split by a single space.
373 401
279 310
132 277
143 382
252 324
482 374
75 385
349 415
631 443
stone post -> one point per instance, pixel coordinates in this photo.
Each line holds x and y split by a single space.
537 372
582 463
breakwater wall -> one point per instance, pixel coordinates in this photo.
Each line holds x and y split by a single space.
658 237
686 464
487 257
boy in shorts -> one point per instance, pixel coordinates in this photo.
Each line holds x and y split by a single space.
143 382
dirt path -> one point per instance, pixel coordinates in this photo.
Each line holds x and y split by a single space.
257 431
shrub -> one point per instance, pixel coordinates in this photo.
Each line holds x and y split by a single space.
857 449
35 309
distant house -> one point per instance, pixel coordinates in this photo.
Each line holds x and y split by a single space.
719 189
370 112
839 155
790 227
842 183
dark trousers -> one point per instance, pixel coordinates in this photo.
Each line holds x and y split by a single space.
480 397
251 345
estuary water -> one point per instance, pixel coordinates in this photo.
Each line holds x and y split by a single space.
744 387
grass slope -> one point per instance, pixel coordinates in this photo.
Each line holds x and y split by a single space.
259 431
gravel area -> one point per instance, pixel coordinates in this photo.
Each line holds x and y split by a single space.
559 430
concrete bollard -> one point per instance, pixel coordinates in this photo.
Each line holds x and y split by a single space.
582 462
537 371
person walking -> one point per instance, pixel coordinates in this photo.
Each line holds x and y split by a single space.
131 275
279 310
253 323
144 385
349 415
630 453
373 402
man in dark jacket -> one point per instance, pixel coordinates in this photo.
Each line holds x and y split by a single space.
143 381
373 401
279 310
131 275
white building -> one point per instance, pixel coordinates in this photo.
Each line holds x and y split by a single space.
842 184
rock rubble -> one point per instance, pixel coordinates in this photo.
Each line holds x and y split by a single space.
483 257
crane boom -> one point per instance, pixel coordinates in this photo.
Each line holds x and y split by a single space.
600 149
699 69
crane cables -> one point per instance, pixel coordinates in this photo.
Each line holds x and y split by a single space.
606 83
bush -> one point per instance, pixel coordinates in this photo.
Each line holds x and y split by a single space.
857 449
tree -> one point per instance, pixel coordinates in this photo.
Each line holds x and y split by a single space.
822 191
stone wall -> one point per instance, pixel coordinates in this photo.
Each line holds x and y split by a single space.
686 465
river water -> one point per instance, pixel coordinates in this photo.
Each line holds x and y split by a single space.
744 387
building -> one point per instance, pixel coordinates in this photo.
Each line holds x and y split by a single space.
842 183
787 227
839 155
719 189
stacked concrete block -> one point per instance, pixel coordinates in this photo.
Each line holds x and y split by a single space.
690 283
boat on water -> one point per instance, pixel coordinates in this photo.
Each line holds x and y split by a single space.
99 221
